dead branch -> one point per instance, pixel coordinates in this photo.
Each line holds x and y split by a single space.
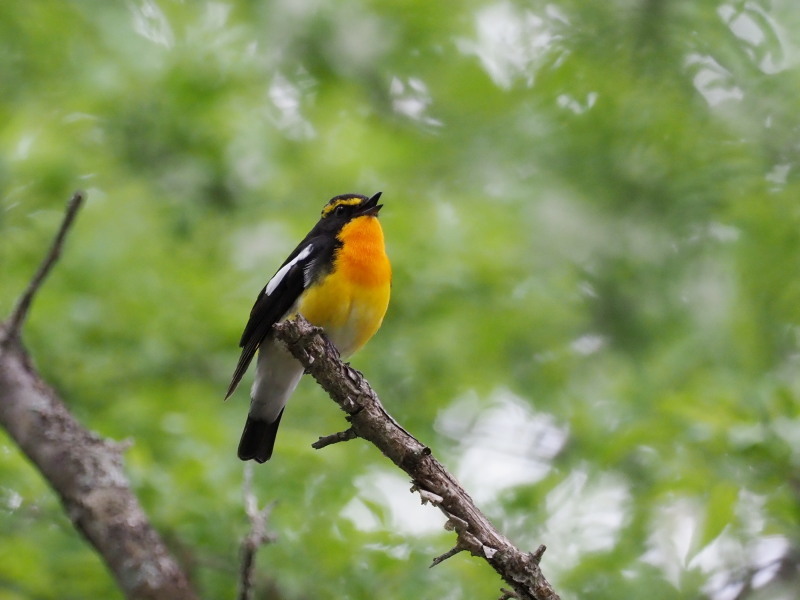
85 470
257 537
334 438
370 421
20 312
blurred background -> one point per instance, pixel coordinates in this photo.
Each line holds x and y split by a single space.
593 215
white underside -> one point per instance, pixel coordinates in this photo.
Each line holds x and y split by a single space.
278 372
277 376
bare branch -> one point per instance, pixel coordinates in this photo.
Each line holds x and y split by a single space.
334 438
257 537
20 312
85 470
369 420
443 557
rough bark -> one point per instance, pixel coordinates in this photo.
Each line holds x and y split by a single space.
85 470
370 421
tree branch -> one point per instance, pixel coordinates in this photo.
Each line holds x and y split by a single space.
370 421
85 470
20 312
257 537
334 438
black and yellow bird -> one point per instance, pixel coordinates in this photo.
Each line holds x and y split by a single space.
338 278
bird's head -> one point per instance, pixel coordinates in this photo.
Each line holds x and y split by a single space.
341 209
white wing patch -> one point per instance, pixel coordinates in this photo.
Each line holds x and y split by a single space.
307 270
278 277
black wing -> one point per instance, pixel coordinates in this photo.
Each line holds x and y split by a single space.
275 300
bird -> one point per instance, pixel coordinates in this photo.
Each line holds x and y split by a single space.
339 279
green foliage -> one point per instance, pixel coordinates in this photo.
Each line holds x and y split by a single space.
592 214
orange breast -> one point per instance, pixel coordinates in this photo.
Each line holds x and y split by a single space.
351 301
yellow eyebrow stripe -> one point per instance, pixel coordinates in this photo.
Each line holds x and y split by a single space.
342 202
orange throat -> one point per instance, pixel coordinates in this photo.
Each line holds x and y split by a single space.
350 302
362 256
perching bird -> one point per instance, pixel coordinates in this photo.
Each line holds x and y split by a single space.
338 278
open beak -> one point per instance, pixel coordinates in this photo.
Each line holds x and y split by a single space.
371 206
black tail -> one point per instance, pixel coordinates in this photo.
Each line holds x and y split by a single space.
258 439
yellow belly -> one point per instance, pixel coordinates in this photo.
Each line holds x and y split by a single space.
351 301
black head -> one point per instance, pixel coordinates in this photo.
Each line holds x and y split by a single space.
341 209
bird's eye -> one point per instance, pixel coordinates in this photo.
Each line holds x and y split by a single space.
340 210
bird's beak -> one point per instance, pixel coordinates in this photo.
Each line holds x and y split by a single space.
371 206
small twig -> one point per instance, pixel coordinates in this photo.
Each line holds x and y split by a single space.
443 557
335 438
508 595
537 556
17 318
257 537
425 496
